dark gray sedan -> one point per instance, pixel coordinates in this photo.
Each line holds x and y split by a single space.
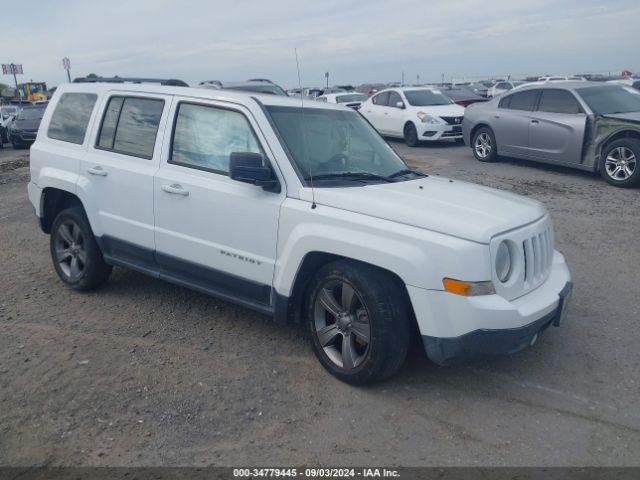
586 125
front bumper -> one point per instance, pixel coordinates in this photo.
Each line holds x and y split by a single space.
434 132
22 137
484 343
454 327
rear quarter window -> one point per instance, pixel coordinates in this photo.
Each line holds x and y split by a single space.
71 117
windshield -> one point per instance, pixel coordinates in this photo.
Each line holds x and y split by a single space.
31 114
331 143
604 100
354 97
426 98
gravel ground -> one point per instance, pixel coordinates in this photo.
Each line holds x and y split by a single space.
146 373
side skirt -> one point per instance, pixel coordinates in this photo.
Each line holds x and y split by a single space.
227 287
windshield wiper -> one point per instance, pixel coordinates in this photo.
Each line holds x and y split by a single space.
406 171
349 175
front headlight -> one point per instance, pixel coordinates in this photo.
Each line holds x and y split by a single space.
503 262
428 118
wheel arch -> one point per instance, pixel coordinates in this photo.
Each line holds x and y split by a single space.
623 134
407 123
52 202
478 127
315 260
619 135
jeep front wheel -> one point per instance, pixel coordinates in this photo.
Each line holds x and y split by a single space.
358 322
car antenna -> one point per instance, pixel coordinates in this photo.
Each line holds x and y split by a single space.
304 131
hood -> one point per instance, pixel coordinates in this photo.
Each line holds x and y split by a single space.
627 117
451 207
26 124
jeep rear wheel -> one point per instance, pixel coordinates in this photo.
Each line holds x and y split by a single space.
358 322
76 256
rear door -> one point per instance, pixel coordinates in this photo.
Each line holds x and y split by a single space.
213 233
557 127
511 121
117 173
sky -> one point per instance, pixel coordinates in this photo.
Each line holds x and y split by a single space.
355 41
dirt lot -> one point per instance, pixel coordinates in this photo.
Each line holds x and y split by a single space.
146 373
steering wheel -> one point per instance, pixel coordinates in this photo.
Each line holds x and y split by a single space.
336 162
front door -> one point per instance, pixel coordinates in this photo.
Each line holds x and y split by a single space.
212 233
557 127
374 111
393 121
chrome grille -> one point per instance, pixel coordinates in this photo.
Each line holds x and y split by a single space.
538 255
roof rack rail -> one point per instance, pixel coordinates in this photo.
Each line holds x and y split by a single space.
162 81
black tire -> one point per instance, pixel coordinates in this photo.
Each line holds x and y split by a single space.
490 148
411 135
378 302
72 240
620 162
17 146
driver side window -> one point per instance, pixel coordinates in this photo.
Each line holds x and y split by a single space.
205 136
381 99
394 98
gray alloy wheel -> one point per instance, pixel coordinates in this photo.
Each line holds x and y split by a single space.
483 145
620 163
341 322
70 252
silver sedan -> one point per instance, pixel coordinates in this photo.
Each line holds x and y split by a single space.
586 125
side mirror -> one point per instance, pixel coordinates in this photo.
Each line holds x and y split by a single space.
248 167
400 105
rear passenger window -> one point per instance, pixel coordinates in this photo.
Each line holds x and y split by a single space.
70 119
205 136
523 100
130 125
558 101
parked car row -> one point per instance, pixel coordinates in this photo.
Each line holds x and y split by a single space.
19 123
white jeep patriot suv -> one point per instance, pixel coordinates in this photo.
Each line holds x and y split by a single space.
303 213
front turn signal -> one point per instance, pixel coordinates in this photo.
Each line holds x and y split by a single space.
468 289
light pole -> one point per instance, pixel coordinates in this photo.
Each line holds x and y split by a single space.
66 64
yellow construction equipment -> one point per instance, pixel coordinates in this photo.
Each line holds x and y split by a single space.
33 91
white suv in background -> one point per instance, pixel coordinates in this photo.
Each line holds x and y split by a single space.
415 114
503 86
306 215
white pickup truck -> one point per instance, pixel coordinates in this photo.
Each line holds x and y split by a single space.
303 213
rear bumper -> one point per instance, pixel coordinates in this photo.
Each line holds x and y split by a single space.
485 342
35 194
